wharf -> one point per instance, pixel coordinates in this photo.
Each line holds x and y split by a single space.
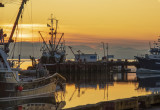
123 63
86 67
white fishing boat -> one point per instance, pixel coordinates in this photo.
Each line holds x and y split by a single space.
15 87
149 64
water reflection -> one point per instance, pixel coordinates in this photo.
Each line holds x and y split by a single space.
150 84
47 102
90 88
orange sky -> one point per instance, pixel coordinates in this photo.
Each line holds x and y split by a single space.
94 20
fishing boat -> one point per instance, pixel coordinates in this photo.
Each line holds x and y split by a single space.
152 60
54 51
16 87
150 63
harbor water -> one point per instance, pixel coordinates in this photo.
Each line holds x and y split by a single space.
91 88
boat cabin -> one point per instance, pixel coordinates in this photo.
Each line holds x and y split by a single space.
86 57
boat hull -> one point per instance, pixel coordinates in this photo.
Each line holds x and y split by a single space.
47 98
31 89
147 73
152 64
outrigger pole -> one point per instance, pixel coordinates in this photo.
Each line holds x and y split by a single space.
6 48
44 41
59 41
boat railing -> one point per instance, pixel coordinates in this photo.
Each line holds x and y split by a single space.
3 69
3 40
47 77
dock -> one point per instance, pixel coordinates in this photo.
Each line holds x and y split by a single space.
87 67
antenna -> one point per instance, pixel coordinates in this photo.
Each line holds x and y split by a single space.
103 48
107 50
154 43
150 45
51 29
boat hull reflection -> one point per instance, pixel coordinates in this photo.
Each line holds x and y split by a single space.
46 102
147 73
150 84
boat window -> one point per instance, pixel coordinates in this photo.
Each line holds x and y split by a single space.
8 76
2 63
2 76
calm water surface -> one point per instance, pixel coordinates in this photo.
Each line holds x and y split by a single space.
85 88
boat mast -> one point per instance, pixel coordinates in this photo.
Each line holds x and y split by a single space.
53 40
14 26
55 35
51 33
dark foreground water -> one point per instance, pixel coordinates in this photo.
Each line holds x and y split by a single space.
91 88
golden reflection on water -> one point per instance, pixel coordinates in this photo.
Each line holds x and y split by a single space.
95 94
25 64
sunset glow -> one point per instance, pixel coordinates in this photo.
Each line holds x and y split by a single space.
124 24
79 54
110 19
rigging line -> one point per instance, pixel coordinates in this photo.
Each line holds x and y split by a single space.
32 29
39 43
21 32
18 36
13 49
15 41
5 27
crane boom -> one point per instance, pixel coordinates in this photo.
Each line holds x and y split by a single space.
71 50
14 26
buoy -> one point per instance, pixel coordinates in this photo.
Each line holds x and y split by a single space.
38 59
20 108
20 88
